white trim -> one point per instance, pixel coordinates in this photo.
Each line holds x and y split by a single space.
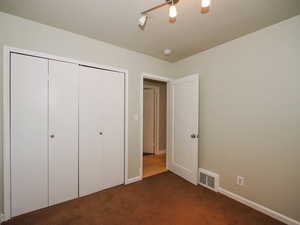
161 151
6 132
6 113
63 59
2 218
141 104
259 207
169 146
133 180
156 77
126 126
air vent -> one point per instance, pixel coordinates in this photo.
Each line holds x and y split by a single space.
209 179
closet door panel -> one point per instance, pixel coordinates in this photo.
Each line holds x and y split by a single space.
89 135
112 127
29 133
63 127
101 148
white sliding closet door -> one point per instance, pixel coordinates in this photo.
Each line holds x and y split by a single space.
113 128
29 133
63 131
101 138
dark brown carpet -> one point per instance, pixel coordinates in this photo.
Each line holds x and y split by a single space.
165 199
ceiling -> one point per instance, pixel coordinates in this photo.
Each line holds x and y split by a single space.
116 21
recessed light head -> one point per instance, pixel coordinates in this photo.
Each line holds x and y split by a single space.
167 52
143 20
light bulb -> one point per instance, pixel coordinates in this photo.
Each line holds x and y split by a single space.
172 11
205 3
143 20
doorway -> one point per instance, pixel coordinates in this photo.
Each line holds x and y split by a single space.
154 127
182 106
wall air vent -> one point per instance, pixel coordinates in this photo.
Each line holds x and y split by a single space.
209 179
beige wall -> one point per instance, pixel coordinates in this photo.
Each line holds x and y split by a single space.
250 114
162 111
21 33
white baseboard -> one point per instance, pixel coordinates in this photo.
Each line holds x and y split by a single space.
2 218
133 180
161 151
259 207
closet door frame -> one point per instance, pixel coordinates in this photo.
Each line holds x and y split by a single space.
7 50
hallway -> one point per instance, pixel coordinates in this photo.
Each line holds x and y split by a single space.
154 164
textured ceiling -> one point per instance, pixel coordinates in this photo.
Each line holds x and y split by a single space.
115 21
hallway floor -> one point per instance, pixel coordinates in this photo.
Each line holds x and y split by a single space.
154 164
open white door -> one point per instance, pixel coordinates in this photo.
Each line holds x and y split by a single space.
183 159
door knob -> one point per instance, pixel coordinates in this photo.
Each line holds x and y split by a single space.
193 135
52 136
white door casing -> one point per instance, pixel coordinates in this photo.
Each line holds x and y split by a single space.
184 131
63 131
29 133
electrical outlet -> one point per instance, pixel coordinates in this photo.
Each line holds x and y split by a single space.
240 180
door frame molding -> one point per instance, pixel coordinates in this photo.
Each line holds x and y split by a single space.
141 115
156 116
7 50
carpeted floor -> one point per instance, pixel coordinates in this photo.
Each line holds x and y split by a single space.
165 199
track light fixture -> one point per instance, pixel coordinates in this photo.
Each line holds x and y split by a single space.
143 20
172 10
205 3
